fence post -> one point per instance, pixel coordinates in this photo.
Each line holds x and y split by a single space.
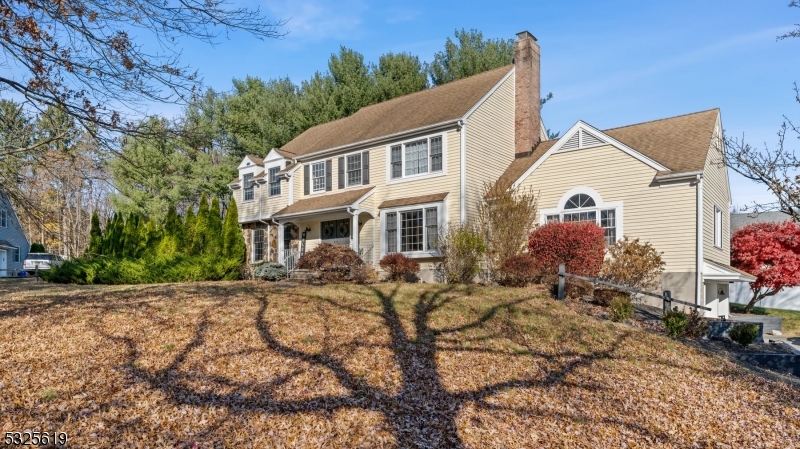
561 280
667 301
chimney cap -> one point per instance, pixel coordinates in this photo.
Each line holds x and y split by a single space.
525 35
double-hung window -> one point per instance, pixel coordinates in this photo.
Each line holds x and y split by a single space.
318 177
249 189
258 245
274 182
16 255
417 157
412 230
354 170
3 218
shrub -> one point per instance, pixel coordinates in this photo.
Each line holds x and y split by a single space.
696 326
399 267
604 295
270 271
675 322
462 249
579 245
633 264
147 270
506 216
364 274
621 308
518 271
37 248
744 333
333 262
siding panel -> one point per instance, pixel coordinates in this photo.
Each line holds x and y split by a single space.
716 192
664 216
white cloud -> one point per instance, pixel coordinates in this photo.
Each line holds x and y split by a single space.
319 20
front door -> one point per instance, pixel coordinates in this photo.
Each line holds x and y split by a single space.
3 263
336 232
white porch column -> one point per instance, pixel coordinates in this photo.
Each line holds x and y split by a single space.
354 232
280 243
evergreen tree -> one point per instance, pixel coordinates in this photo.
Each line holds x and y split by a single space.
200 225
171 235
213 230
470 55
188 232
399 74
233 240
130 237
151 235
95 237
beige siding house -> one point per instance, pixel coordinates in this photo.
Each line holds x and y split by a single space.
387 178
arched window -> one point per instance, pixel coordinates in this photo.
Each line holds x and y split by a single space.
581 207
579 201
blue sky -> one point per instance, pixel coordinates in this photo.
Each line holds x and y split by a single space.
609 63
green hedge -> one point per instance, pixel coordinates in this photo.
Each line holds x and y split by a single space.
147 270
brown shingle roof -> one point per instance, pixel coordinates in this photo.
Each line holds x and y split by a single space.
436 105
679 143
256 160
287 169
413 200
321 202
235 181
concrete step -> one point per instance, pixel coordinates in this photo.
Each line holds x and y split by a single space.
303 275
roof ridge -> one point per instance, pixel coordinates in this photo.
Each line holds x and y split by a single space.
661 119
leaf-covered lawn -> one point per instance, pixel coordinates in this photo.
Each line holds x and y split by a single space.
245 364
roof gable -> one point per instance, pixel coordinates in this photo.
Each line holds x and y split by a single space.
677 144
250 160
429 107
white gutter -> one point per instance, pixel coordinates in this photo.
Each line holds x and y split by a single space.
376 139
463 198
699 248
692 175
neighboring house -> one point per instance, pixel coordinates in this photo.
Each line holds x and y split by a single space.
14 245
388 177
788 298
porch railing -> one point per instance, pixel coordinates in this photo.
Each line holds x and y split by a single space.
290 260
366 254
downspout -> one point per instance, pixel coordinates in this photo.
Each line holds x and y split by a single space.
699 243
463 197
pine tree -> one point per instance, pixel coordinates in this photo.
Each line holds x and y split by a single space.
200 225
213 231
95 237
188 232
232 238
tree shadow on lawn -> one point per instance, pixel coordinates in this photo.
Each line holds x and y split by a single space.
422 413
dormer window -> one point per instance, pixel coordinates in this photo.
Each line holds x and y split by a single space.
249 193
274 182
416 157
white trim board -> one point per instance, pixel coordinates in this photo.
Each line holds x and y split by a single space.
583 126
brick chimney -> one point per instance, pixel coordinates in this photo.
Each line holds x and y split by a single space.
527 116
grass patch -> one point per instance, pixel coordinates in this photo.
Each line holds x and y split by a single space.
791 318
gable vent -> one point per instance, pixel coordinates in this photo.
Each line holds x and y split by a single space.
573 142
581 139
589 140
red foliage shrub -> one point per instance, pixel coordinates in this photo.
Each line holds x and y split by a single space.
770 252
581 246
332 261
399 267
518 271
